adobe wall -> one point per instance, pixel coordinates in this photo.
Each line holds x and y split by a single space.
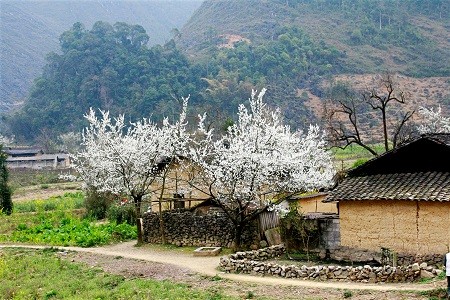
176 182
315 204
402 226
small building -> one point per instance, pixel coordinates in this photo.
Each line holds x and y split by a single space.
32 158
399 200
23 152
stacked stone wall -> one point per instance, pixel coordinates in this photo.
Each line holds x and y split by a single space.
363 256
183 228
253 263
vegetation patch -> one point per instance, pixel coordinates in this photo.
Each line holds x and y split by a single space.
68 201
59 221
31 274
65 230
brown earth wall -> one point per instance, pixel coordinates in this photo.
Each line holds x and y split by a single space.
315 204
402 226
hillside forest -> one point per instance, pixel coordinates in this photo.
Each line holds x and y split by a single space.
300 50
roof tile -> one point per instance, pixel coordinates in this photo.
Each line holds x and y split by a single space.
423 186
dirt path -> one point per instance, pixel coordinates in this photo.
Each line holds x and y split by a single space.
208 266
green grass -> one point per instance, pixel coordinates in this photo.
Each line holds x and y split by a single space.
354 155
41 274
355 152
68 201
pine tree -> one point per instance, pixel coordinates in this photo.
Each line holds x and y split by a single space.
6 205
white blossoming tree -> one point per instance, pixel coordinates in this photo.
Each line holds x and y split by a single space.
129 158
433 121
259 158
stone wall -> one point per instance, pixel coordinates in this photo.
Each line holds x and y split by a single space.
252 263
260 254
421 227
364 256
183 228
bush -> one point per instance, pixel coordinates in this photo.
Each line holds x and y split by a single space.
122 214
297 232
97 204
6 205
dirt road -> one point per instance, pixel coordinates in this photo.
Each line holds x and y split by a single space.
208 266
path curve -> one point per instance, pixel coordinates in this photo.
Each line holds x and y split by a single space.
208 266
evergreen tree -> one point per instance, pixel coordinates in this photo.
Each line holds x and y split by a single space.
6 204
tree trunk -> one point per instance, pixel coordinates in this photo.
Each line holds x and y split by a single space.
161 220
137 203
161 225
238 230
386 141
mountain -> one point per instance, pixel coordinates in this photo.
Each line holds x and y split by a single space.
29 30
315 43
410 37
298 49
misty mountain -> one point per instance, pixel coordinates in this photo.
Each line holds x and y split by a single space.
31 29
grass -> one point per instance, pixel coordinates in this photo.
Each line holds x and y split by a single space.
24 177
68 201
354 155
355 152
41 274
435 294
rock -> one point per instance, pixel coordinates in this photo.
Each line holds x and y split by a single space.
423 265
415 267
273 236
426 274
263 244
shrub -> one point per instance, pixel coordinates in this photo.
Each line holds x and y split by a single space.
122 214
348 294
297 232
97 203
6 205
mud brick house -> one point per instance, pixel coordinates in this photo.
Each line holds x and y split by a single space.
399 200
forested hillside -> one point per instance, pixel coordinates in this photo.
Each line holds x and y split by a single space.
407 36
30 30
295 48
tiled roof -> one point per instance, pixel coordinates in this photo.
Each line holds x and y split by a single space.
425 186
58 156
443 138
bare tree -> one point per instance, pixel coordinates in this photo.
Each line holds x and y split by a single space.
345 111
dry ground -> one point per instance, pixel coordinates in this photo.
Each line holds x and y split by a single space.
181 266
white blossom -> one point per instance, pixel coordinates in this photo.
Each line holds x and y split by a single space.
259 156
128 158
5 141
433 121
